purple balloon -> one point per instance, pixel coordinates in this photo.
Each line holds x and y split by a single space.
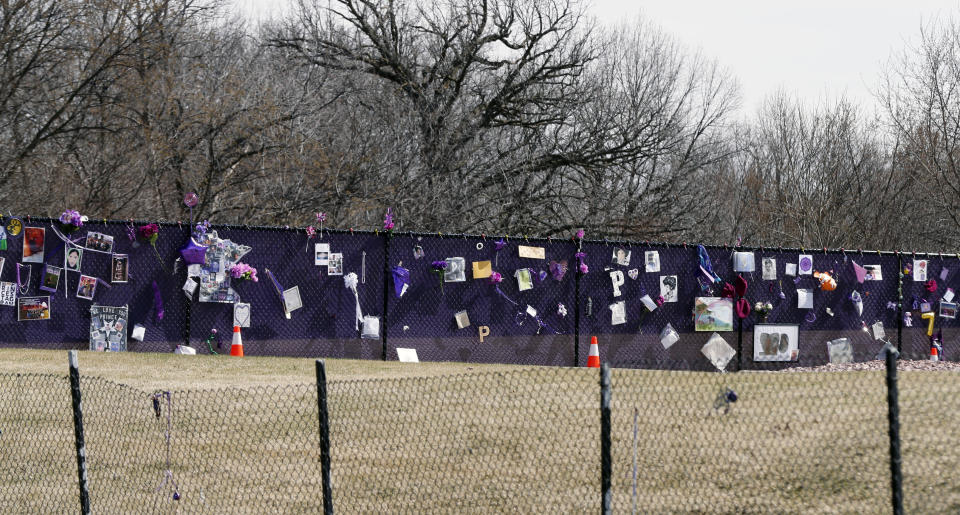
194 253
191 199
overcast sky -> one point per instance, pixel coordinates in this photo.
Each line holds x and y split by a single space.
818 49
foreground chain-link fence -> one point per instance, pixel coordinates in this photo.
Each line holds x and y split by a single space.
530 440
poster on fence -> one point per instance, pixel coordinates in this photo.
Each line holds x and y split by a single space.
776 342
108 328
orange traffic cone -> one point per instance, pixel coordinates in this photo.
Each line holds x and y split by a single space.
593 359
934 356
236 348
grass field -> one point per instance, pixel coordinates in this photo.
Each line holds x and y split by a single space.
447 437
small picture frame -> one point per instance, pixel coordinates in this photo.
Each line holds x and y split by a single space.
33 308
87 287
651 261
291 299
50 279
321 254
72 259
119 268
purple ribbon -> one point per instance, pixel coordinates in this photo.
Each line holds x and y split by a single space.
157 301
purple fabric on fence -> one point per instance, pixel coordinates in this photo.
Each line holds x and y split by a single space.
324 326
69 326
424 318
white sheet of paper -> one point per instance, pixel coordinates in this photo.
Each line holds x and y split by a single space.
194 270
948 296
790 269
138 333
241 314
531 311
371 327
618 313
532 252
804 298
648 303
321 254
407 355
190 287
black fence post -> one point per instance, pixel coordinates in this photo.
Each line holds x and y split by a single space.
324 437
606 463
387 279
78 432
900 303
893 414
576 313
739 343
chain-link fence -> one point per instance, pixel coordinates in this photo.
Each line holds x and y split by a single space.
529 440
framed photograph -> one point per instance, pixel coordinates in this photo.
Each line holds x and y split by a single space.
119 268
456 271
668 288
33 242
8 294
713 314
99 242
87 287
33 308
776 342
72 259
335 264
920 270
621 256
805 264
50 278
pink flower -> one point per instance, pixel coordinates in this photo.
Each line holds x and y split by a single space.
311 232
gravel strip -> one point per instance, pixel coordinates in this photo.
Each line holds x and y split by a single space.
880 365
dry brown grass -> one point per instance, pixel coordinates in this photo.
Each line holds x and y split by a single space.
469 438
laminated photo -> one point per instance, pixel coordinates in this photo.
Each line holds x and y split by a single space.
33 308
744 262
621 256
87 287
618 313
532 252
8 294
456 271
713 314
119 268
769 268
33 242
108 328
805 264
335 264
948 310
668 288
524 279
920 270
50 278
840 350
99 242
73 259
463 319
321 254
651 261
873 273
241 314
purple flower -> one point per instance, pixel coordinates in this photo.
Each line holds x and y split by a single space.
243 271
497 245
583 268
579 255
892 305
439 265
321 217
71 217
388 220
580 234
311 232
495 278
